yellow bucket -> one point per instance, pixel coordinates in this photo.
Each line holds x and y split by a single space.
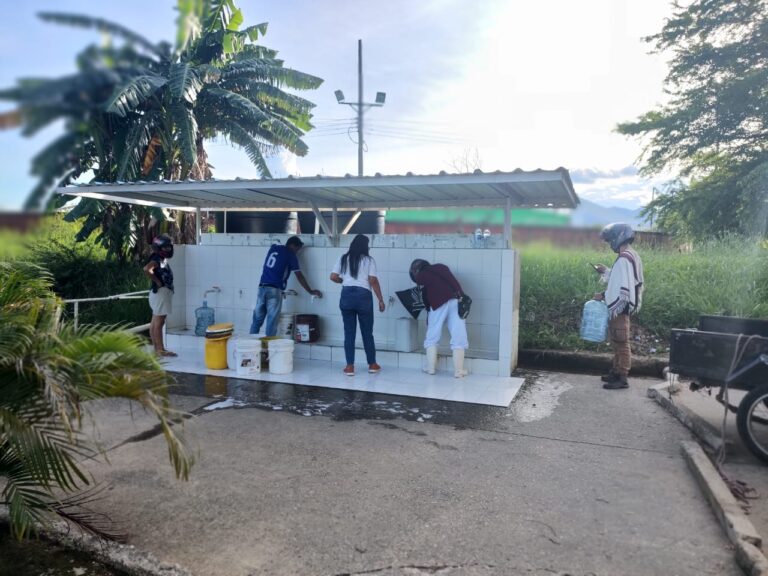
216 353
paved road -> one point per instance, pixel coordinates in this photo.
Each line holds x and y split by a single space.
571 480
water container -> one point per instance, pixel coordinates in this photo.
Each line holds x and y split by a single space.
285 326
247 356
265 340
307 328
204 317
406 335
594 321
281 356
216 337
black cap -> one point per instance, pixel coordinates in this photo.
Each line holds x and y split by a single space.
294 241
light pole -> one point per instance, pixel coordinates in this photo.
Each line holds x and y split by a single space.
360 107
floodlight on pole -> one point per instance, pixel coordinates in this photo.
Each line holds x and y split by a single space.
360 107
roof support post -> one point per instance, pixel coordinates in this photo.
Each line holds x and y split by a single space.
335 226
225 221
198 226
351 222
508 223
319 218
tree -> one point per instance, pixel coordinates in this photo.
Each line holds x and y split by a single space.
143 111
47 371
714 129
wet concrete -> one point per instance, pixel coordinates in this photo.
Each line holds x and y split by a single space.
536 400
570 479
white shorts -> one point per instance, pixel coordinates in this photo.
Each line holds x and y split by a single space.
160 301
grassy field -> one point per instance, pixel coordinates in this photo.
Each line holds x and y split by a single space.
728 277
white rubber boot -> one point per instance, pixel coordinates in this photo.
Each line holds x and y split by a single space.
458 363
431 366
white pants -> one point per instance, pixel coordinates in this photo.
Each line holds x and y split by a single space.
456 326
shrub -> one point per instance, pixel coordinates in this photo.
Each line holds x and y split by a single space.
81 270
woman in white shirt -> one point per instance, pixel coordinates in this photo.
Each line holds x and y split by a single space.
356 272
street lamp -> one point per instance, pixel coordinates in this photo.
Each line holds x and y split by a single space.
360 107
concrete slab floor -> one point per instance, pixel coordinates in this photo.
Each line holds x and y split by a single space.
571 479
740 463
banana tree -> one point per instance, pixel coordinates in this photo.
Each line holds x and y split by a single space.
144 110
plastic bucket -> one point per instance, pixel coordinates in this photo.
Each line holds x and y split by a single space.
216 353
247 356
281 356
265 340
307 329
285 326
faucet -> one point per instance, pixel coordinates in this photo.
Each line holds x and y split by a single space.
215 289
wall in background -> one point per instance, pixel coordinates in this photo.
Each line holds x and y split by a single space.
234 263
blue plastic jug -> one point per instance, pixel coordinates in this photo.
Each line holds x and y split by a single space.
594 321
204 317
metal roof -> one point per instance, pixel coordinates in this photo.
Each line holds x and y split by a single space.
537 188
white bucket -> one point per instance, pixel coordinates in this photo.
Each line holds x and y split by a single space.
247 355
281 356
285 326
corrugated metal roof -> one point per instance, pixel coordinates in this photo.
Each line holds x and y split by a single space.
537 188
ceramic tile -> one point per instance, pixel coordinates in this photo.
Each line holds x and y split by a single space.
400 381
318 352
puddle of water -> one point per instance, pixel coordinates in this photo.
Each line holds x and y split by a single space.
228 403
539 400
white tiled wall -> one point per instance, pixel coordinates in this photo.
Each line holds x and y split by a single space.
233 262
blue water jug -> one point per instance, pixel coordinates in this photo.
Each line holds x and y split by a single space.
204 317
594 321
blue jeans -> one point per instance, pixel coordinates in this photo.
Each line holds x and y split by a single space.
268 305
356 305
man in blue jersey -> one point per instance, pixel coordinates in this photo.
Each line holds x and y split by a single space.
278 265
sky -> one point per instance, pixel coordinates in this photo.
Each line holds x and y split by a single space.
514 84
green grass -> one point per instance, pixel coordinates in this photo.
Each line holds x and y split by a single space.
728 277
80 270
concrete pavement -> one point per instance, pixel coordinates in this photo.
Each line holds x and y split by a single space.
571 479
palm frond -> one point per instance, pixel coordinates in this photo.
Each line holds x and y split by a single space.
184 82
256 52
137 140
272 72
237 104
129 95
252 147
186 126
104 26
289 107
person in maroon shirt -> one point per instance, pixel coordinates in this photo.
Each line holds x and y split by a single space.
441 293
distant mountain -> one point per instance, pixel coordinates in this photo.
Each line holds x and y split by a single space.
589 214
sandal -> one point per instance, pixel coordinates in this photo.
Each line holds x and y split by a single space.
166 353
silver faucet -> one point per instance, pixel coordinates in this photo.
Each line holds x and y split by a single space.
290 292
215 289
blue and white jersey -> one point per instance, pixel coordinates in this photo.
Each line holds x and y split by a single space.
278 265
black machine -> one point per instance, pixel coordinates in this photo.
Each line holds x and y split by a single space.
729 353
